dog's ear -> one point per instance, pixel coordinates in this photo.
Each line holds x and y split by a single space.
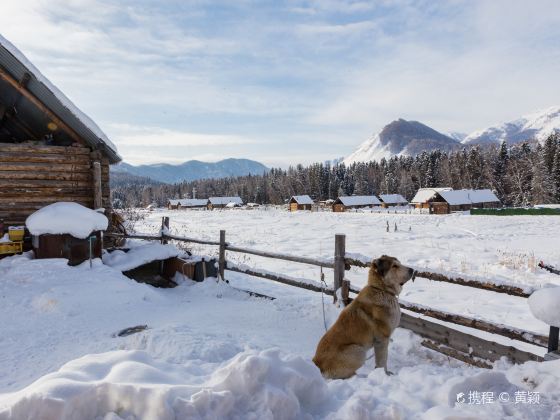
382 265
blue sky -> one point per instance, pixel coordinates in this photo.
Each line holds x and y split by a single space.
288 81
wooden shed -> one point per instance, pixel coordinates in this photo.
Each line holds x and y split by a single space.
463 200
392 200
193 203
424 196
342 204
300 202
49 150
223 202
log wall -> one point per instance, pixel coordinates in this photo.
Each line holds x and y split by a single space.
33 176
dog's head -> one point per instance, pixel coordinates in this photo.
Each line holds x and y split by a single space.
391 272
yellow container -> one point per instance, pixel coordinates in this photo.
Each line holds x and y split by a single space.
10 247
15 233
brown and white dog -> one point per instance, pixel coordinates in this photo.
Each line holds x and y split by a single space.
367 322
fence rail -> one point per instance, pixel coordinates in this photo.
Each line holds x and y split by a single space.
449 341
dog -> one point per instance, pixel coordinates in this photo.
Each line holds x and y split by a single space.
367 322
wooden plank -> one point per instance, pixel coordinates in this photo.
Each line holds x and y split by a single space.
285 257
37 193
503 330
192 240
18 201
471 346
63 176
509 289
339 269
278 278
47 158
43 149
97 194
44 183
222 254
45 167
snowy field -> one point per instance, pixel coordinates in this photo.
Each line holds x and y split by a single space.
214 352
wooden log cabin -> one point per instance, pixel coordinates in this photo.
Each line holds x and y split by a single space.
49 150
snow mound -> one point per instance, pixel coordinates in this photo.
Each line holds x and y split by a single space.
66 218
130 384
139 255
544 305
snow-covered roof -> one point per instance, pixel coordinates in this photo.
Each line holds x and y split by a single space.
393 199
359 200
66 218
222 201
425 194
459 197
17 65
193 202
302 199
139 255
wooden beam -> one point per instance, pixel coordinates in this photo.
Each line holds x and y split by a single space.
31 98
97 193
285 257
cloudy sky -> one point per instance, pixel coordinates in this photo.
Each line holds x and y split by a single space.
287 81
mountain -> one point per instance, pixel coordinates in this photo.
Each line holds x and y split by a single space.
538 125
456 135
193 170
402 137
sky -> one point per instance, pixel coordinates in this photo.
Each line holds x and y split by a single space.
287 81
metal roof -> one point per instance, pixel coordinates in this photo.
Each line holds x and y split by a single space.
302 199
17 65
359 200
460 197
425 194
393 199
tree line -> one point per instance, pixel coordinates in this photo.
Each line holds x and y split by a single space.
523 174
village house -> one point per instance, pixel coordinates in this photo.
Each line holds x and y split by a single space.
392 200
300 202
424 196
462 200
223 202
342 204
187 203
50 151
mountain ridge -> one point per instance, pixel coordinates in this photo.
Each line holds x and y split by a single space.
192 170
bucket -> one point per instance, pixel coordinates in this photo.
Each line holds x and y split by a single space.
15 233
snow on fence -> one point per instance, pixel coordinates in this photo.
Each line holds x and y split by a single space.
450 341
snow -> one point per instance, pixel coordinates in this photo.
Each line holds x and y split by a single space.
221 201
5 238
360 200
545 305
67 103
189 202
302 199
66 218
425 194
211 351
371 149
393 199
140 255
459 197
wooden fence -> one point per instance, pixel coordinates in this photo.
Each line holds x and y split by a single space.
437 336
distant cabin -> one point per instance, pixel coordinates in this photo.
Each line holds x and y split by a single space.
224 202
187 203
342 204
424 196
50 151
392 200
462 200
300 202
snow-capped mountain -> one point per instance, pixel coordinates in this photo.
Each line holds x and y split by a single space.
538 125
401 137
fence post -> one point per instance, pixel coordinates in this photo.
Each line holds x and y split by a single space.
553 337
339 253
164 226
222 257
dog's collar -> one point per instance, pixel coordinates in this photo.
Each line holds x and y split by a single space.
384 291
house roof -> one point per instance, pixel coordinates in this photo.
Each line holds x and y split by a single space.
193 202
459 197
16 65
222 201
302 199
393 199
359 200
425 194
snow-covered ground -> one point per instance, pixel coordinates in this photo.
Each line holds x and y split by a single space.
213 352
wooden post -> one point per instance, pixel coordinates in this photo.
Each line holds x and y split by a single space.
553 337
345 291
97 195
222 256
164 226
339 253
